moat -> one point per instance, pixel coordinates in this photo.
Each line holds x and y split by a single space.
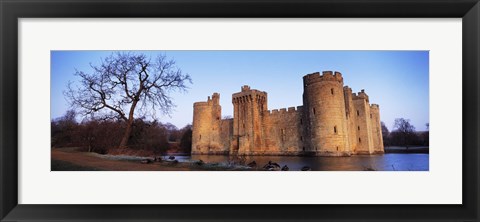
386 162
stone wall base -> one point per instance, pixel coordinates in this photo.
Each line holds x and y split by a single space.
210 153
289 153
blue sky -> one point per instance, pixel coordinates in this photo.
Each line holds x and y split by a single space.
396 80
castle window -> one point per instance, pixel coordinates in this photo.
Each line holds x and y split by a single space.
335 129
331 90
301 138
370 115
301 121
358 127
244 125
313 111
358 113
337 148
200 137
359 140
303 148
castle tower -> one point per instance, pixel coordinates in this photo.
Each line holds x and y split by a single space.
206 126
324 110
376 129
364 127
350 114
248 133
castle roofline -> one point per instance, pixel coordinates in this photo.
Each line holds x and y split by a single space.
325 76
200 104
246 90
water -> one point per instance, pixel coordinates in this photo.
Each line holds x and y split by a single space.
385 162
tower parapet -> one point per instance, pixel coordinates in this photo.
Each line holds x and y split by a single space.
213 100
325 76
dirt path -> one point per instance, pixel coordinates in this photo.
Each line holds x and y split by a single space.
83 159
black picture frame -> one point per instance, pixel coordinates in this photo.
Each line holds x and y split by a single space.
11 11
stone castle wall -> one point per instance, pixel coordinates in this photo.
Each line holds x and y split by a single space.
333 121
284 131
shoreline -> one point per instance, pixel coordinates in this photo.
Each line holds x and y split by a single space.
410 150
70 159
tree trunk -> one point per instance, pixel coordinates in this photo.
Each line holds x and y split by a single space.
126 135
128 130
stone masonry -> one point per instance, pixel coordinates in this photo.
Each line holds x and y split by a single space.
333 121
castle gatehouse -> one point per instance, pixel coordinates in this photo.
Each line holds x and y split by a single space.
333 121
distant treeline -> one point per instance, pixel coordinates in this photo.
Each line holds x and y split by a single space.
104 135
155 138
404 134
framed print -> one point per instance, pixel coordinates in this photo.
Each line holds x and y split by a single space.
268 110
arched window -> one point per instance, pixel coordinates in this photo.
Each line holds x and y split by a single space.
313 111
335 129
358 127
358 113
359 140
200 137
331 90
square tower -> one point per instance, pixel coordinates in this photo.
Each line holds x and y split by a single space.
248 108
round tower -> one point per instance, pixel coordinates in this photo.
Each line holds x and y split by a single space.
325 113
206 126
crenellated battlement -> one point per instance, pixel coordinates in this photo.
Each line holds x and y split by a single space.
374 106
325 76
289 110
360 95
249 95
347 88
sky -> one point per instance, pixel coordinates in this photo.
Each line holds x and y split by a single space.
396 80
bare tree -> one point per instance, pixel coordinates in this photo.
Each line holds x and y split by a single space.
405 130
125 82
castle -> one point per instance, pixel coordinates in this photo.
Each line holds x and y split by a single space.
333 121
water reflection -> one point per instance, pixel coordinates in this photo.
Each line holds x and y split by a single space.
386 162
